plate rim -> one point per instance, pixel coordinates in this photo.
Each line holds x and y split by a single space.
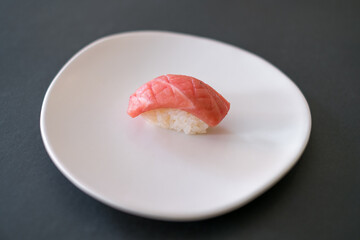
200 216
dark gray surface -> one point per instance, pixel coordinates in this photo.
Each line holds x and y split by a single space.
315 43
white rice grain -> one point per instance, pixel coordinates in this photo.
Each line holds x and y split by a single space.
175 119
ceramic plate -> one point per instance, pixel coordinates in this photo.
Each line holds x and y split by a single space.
163 174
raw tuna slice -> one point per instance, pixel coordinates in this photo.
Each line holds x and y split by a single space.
180 92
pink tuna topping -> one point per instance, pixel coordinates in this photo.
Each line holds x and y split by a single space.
181 92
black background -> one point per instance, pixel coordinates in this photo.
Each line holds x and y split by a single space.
316 43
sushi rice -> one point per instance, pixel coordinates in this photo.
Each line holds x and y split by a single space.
175 119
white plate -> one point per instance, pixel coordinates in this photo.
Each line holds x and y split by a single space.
162 174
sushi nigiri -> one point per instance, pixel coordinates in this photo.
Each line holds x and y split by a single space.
179 102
